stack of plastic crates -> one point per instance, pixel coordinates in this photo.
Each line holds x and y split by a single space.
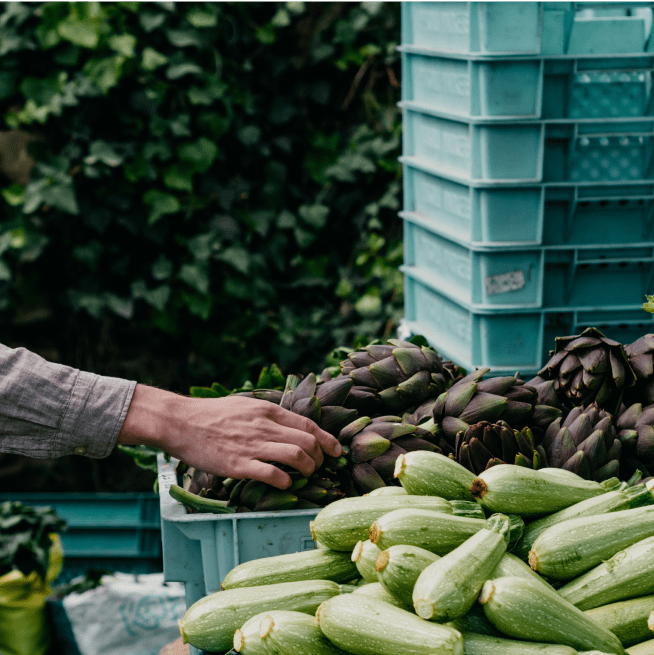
528 175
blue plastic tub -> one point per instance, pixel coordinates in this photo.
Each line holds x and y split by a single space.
543 277
460 27
508 340
113 531
200 549
501 29
539 215
528 153
512 89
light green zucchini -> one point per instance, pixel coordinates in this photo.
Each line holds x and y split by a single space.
387 491
650 622
518 490
628 574
398 568
347 588
318 564
210 623
566 550
448 588
476 644
474 621
364 555
612 501
645 648
434 531
510 565
377 591
431 474
468 508
341 524
626 619
282 631
365 626
524 609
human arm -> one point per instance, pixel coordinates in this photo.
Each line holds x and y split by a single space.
232 436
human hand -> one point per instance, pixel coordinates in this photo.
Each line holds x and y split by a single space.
231 437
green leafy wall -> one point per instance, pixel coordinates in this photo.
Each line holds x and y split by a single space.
215 186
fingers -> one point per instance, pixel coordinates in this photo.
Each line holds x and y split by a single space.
307 442
290 454
264 472
326 441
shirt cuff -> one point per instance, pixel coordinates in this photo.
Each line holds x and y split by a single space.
95 413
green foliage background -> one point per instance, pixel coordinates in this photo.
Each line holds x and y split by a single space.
216 185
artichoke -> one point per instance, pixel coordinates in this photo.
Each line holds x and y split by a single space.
635 426
641 358
373 445
586 443
589 368
473 400
392 377
486 444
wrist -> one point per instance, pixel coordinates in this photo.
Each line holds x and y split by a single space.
151 418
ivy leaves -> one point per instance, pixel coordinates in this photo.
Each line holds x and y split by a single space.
218 169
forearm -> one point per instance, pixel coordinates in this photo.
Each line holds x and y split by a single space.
154 417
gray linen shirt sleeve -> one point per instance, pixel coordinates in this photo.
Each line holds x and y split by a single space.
51 410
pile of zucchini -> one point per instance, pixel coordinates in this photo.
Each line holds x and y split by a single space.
514 561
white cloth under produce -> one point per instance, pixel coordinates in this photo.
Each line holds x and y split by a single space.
127 615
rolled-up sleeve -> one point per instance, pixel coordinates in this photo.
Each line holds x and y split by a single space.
51 410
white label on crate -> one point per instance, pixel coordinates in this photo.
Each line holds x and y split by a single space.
504 283
168 479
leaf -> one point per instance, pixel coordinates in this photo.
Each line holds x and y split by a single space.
14 195
195 276
161 204
177 71
314 215
162 268
179 177
84 33
237 257
123 44
198 305
105 73
250 135
151 59
150 20
203 392
184 38
649 305
5 271
220 390
104 152
158 297
370 303
203 16
200 153
122 306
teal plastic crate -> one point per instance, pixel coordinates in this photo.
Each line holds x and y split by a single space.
114 531
200 549
528 153
462 27
508 340
519 89
539 215
536 278
492 29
